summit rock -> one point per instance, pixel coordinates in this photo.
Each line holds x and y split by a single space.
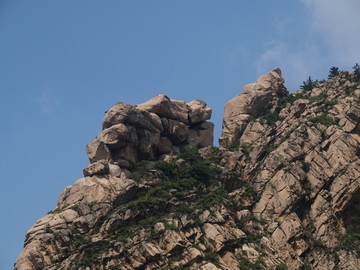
254 99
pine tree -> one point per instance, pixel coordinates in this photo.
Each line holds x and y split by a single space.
356 69
308 85
333 72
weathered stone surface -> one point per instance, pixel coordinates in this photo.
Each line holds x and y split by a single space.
128 114
148 143
250 103
201 135
49 240
165 145
118 136
115 170
198 112
146 131
100 167
163 106
95 189
178 131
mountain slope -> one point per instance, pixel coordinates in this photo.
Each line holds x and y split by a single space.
281 192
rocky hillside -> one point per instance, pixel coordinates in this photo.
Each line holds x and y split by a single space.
281 192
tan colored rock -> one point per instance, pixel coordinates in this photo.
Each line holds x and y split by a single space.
126 156
114 170
198 112
250 103
94 189
118 136
100 167
178 131
163 106
131 115
97 150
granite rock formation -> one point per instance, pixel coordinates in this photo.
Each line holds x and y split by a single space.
254 100
281 192
158 127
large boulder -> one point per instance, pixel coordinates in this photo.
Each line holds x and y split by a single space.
118 136
97 150
177 131
163 106
100 167
198 111
201 135
128 114
249 104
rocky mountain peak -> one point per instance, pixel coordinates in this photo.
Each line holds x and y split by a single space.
254 99
150 131
281 192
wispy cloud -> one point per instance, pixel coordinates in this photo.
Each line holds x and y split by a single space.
296 64
337 22
48 101
330 37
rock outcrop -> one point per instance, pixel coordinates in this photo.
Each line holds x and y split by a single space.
281 192
160 126
254 100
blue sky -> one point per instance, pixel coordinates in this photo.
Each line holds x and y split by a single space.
64 63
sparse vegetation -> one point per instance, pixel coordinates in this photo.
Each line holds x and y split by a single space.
281 266
233 146
246 149
270 118
246 264
91 252
323 119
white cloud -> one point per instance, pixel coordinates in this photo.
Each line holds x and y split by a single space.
48 101
337 22
329 37
296 65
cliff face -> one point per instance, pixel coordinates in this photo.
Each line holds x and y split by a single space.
281 192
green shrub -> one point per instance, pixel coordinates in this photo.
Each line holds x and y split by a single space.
211 257
218 196
190 154
270 118
281 266
351 242
290 99
200 171
92 252
246 149
167 168
233 146
246 264
323 119
250 192
183 209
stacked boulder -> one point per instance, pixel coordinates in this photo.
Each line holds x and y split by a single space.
149 131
